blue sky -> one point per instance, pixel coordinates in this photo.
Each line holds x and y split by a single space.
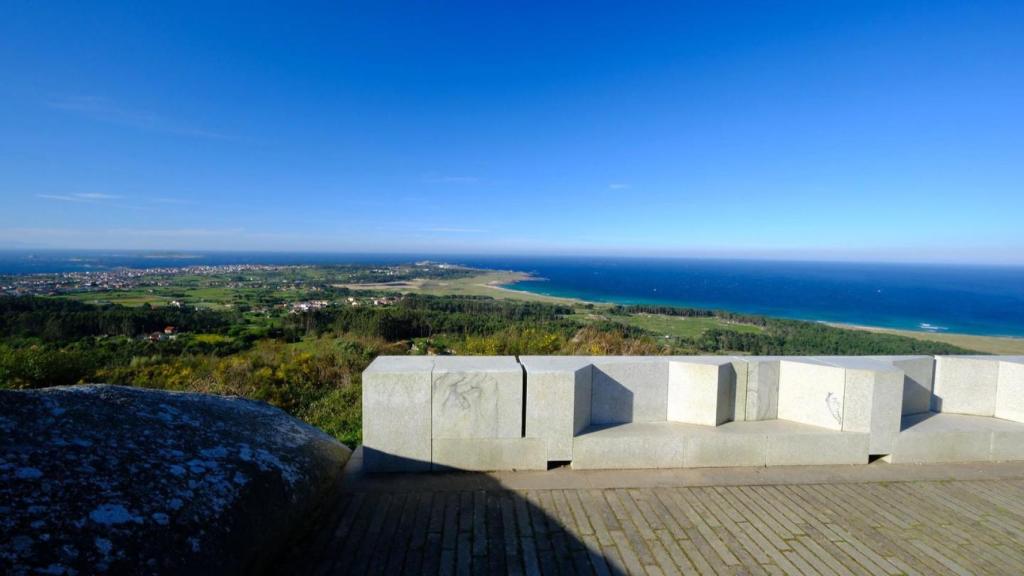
846 130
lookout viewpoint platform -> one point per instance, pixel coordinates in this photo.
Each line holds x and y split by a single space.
882 518
682 465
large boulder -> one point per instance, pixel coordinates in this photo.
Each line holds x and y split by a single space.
110 479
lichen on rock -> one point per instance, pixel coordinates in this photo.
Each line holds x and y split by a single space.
112 479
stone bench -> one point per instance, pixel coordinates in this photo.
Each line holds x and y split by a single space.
678 445
493 413
975 412
693 412
441 412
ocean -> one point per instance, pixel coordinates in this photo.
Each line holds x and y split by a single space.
982 300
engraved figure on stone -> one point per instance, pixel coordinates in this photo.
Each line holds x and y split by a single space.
462 393
832 401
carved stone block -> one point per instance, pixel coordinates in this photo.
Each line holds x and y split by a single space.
477 397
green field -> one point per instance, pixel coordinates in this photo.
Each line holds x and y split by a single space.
189 294
489 283
122 297
679 327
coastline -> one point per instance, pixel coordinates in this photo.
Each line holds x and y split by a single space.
988 344
507 284
493 283
503 287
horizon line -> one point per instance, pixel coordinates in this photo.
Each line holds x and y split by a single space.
553 254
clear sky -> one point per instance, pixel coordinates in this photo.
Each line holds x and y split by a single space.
872 130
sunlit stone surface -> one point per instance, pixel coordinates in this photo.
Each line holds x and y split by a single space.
483 413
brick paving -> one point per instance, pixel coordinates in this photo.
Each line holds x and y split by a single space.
476 524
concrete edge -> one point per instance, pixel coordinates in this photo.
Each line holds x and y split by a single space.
354 479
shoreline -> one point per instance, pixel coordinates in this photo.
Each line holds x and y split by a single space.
1008 345
869 328
1011 345
503 286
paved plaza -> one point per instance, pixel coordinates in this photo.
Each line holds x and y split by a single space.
876 519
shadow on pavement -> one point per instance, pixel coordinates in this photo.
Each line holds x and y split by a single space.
448 523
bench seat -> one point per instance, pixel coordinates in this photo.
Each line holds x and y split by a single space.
679 445
933 437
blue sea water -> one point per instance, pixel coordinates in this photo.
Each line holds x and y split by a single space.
944 298
930 298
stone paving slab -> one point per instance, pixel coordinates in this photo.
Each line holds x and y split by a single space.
877 519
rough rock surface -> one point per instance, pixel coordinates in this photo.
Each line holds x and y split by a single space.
110 479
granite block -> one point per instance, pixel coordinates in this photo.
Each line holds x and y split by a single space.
811 392
965 385
396 414
701 392
629 390
477 397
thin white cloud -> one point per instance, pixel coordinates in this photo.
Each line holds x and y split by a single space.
103 110
112 200
61 197
36 233
176 232
86 197
97 196
143 238
618 186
